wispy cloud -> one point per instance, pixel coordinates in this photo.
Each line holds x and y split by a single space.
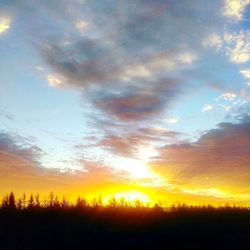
54 80
245 73
21 147
207 107
227 96
172 120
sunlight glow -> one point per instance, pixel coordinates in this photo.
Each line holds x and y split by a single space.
132 197
135 169
146 152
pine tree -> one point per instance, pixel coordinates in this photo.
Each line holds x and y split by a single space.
31 203
11 201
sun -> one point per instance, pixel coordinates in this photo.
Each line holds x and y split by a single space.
131 197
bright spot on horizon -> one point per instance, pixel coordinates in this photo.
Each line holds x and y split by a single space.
131 197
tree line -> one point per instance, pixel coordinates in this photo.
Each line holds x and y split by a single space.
10 201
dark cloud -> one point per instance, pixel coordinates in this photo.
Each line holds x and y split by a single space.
132 104
127 44
220 157
82 63
128 143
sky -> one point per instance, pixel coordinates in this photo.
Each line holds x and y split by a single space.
144 98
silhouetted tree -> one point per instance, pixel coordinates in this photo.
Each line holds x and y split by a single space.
11 201
19 204
51 199
80 202
37 201
64 203
31 202
24 200
100 200
122 202
138 203
112 202
94 202
56 203
5 202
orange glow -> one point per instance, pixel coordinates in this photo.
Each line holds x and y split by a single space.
152 185
132 197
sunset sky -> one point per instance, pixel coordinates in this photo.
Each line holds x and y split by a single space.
142 98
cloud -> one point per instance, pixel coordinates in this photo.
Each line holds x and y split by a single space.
5 114
235 8
172 120
21 175
120 145
238 46
227 97
87 50
21 170
213 40
81 25
215 192
19 163
20 147
187 57
218 159
245 73
235 45
137 103
207 107
5 23
138 71
149 43
94 62
55 80
128 144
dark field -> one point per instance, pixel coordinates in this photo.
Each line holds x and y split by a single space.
28 224
124 228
